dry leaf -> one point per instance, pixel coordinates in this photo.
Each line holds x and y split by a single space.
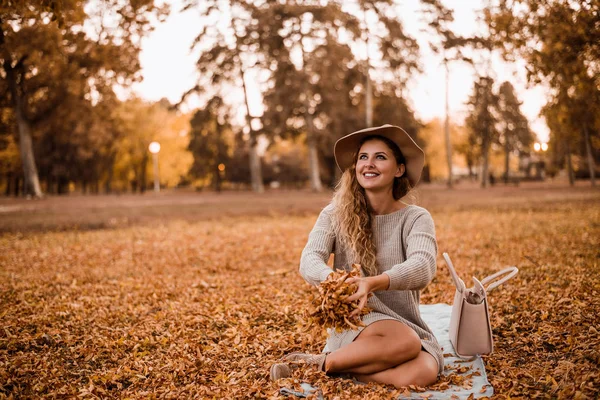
330 309
188 309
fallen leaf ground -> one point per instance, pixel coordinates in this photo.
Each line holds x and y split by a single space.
201 307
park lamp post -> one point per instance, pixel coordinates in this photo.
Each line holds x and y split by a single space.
154 148
540 146
540 162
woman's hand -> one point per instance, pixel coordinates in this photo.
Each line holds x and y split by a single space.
366 285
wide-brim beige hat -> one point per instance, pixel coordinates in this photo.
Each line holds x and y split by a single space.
345 149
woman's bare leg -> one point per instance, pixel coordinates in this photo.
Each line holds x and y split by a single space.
380 346
420 371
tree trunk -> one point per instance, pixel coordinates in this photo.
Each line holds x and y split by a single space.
217 179
110 176
590 156
8 184
32 182
506 160
48 180
18 186
311 141
484 172
469 167
63 185
570 165
255 167
313 161
313 153
143 169
447 130
369 100
336 174
368 86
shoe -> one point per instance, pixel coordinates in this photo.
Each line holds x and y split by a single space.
280 370
291 361
310 359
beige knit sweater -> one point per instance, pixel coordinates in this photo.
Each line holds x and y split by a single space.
406 252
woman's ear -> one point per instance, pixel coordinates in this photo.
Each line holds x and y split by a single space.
401 170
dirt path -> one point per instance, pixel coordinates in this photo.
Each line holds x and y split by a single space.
110 211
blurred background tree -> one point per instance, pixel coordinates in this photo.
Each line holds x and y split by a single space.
560 43
303 90
483 121
515 135
433 136
141 123
451 46
286 164
10 161
323 70
49 61
564 133
228 50
211 143
318 83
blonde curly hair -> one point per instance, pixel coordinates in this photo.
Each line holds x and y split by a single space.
352 216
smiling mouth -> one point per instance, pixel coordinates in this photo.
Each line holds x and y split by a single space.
370 175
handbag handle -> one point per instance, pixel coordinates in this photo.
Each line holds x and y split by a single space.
511 271
460 285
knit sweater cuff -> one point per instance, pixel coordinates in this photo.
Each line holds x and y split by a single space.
325 273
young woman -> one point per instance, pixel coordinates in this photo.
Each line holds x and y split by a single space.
368 224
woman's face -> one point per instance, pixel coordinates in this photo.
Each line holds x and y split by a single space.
376 166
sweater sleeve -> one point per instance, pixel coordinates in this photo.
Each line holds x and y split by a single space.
313 262
421 254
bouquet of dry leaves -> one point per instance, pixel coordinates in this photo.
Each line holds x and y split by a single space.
329 308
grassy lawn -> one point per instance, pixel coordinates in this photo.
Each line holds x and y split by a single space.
194 295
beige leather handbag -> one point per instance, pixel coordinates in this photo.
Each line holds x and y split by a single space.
470 329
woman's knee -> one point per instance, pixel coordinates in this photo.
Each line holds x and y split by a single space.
423 379
428 366
405 348
428 377
402 346
398 341
422 371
